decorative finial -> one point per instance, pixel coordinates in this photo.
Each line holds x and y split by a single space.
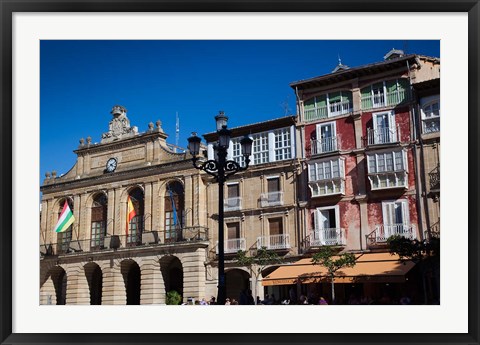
54 174
89 140
47 175
150 126
82 141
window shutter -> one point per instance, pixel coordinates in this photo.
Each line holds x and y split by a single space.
233 230
372 167
366 97
309 104
334 97
347 96
391 85
321 101
275 226
233 191
273 185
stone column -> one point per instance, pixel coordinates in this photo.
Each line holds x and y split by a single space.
117 214
364 229
155 204
194 274
111 212
85 218
77 285
43 222
113 291
148 207
152 284
47 293
78 205
190 196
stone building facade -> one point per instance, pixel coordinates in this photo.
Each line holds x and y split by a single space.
102 258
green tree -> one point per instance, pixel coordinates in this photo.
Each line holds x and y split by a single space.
425 254
257 263
173 298
328 258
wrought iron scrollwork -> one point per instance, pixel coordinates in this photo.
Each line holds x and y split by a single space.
214 168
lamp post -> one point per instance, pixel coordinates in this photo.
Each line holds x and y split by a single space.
221 169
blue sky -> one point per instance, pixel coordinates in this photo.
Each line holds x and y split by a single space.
80 81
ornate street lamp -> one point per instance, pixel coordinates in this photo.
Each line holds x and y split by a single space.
221 169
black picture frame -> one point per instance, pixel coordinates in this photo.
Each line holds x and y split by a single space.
9 7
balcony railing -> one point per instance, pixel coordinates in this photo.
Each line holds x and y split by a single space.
334 109
317 113
233 204
271 199
234 245
339 108
186 234
333 186
323 145
388 180
271 242
431 125
383 232
378 100
385 135
327 237
434 177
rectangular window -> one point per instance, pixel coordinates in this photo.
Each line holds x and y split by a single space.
327 229
260 148
233 200
386 162
396 219
282 144
431 117
387 169
324 170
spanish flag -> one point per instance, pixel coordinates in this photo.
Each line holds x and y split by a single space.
130 212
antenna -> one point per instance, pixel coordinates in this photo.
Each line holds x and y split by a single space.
177 129
285 106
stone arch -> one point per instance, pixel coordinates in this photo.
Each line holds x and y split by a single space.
96 219
237 281
132 278
172 273
54 288
94 276
62 239
136 224
174 210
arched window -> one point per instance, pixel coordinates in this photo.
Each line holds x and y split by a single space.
135 227
174 211
99 221
64 238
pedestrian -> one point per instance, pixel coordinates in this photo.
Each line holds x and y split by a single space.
227 301
212 301
203 302
250 300
243 300
322 301
258 300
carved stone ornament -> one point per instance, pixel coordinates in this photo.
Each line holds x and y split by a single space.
119 126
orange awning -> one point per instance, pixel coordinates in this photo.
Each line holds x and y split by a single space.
370 267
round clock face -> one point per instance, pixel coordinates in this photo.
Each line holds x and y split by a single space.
111 165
